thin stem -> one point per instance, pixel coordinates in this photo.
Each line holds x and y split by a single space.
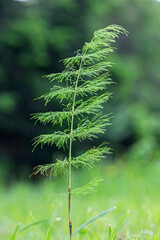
70 151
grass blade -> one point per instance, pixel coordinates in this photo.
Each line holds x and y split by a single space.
93 219
118 227
33 224
15 232
110 231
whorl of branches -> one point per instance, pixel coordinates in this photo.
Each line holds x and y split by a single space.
82 88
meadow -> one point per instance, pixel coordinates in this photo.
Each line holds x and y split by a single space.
132 187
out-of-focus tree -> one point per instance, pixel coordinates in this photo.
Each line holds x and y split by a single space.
35 34
136 98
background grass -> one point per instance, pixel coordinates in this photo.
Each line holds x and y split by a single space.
132 188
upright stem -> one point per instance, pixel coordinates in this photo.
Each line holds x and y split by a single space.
70 154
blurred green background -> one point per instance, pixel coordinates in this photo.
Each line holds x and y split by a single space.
36 34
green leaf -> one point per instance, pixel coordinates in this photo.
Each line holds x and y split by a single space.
103 38
110 232
52 117
18 230
93 219
15 232
97 84
59 138
52 169
92 105
58 92
87 58
91 71
89 158
118 227
33 224
88 188
90 128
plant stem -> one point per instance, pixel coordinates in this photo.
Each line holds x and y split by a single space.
70 158
70 154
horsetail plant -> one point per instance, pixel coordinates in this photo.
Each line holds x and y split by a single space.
82 89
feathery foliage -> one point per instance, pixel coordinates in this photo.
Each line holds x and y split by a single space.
82 90
88 188
88 159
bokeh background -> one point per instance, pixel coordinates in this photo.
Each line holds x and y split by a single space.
36 34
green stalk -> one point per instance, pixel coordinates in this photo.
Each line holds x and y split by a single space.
70 152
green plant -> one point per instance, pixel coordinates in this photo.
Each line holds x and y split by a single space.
82 90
